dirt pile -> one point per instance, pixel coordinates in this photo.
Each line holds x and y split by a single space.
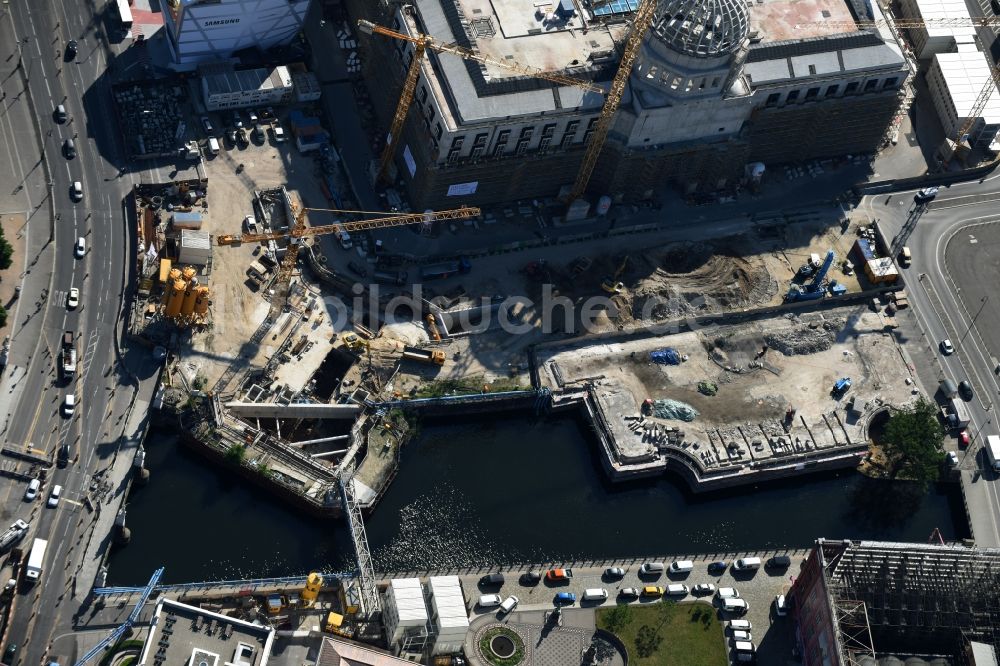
805 339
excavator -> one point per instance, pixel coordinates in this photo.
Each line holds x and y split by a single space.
612 285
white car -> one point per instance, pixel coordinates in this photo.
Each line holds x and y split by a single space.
740 635
54 496
703 588
728 593
76 191
953 458
80 248
780 606
946 347
73 298
69 404
509 604
490 600
32 491
925 195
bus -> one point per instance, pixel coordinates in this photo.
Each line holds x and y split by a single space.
123 14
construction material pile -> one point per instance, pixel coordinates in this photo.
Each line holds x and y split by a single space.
674 410
804 339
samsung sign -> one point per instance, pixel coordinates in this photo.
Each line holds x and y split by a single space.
226 21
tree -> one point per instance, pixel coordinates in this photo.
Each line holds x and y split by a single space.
912 443
617 618
647 641
236 453
6 252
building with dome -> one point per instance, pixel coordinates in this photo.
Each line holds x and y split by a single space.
717 85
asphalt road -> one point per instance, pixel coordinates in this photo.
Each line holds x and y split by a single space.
36 79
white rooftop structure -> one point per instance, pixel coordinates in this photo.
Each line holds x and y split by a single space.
409 601
945 9
450 616
965 73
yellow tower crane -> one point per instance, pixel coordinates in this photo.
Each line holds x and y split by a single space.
991 84
641 21
423 42
299 231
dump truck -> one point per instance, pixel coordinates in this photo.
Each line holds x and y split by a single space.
69 354
435 356
36 559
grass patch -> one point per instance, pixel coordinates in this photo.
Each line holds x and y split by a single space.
667 633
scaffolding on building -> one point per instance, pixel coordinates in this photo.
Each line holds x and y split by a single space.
904 598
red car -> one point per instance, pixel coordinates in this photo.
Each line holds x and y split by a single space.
558 575
963 438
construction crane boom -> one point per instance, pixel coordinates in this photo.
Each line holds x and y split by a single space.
943 22
640 23
423 42
463 213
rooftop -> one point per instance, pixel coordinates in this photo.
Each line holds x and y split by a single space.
965 73
248 79
338 652
945 9
182 634
780 20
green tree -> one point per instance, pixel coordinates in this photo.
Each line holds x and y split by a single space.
236 453
912 443
647 641
618 618
3 316
6 252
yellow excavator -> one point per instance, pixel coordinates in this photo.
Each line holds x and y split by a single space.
612 285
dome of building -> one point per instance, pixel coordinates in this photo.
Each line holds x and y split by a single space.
702 28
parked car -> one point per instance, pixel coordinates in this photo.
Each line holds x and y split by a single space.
207 124
741 635
652 591
963 439
565 598
953 459
491 580
728 593
252 115
703 589
778 562
780 605
946 347
237 120
490 600
530 578
509 604
241 138
558 575
965 390
629 593
718 567
614 573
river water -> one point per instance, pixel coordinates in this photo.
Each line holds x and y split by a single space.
480 492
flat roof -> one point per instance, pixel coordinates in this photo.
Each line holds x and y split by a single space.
448 601
964 74
247 79
780 20
408 597
945 9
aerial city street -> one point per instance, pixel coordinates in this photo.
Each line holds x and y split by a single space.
499 332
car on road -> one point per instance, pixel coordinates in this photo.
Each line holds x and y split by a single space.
728 593
80 248
946 347
73 298
207 124
54 496
32 490
565 599
558 575
69 404
703 589
62 458
490 600
652 591
629 593
718 567
780 606
76 191
965 390
60 114
963 439
71 49
925 195
10 653
530 578
614 573
69 149
953 459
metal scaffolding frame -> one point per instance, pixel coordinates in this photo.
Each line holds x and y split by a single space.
370 604
907 593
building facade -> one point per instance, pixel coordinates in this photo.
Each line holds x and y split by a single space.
726 85
201 31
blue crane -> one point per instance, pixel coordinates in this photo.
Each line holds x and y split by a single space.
815 288
113 637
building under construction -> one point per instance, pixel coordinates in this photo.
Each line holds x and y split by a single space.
716 85
874 602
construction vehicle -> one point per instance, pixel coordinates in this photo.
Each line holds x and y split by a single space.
611 284
434 356
814 289
841 386
68 354
299 231
446 270
354 343
641 21
423 42
13 534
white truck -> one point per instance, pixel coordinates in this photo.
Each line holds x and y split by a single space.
13 534
68 354
993 451
35 560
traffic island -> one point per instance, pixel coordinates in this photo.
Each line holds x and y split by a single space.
501 646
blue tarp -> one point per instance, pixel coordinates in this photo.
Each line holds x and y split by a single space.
668 356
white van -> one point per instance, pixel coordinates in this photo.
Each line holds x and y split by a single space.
681 566
490 600
651 569
740 625
745 646
677 589
747 563
735 605
595 594
509 604
213 145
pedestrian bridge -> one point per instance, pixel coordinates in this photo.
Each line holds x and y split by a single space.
276 410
